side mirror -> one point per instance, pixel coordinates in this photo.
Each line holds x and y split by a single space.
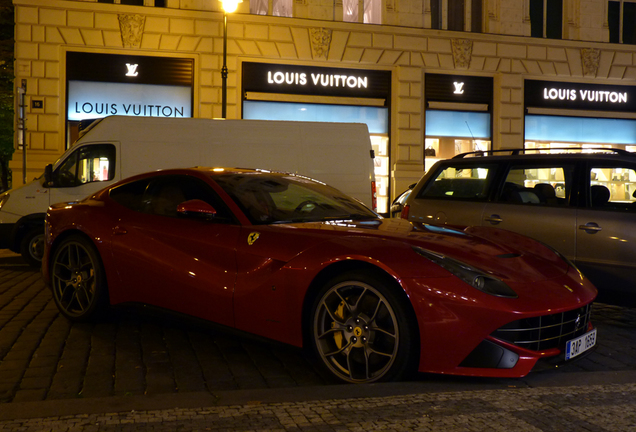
48 175
196 207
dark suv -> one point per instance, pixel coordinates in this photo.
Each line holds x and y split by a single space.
582 203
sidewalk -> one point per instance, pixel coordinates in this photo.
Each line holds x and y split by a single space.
391 406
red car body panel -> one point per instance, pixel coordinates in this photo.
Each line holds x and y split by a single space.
256 277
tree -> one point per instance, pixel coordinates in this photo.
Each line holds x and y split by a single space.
6 91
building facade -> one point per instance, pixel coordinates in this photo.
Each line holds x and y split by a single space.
431 78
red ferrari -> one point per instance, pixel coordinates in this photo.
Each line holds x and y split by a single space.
294 260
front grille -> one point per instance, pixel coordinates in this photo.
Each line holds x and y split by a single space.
548 331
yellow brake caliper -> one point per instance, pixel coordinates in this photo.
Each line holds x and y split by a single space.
339 313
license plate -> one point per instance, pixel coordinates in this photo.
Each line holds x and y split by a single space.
579 345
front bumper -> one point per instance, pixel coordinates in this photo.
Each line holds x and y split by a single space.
466 332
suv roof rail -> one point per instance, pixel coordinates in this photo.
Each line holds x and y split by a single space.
515 152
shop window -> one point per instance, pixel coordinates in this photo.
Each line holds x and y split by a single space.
621 19
449 133
457 15
380 144
546 19
543 131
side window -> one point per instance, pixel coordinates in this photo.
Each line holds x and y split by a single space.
471 183
613 188
538 185
161 196
91 163
130 195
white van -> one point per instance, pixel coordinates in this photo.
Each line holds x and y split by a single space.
117 147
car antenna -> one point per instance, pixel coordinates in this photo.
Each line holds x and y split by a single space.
471 133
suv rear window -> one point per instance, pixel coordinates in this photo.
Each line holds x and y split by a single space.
457 182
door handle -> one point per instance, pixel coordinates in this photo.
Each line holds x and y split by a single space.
119 230
494 219
590 228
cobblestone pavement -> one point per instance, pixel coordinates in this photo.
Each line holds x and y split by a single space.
49 366
584 408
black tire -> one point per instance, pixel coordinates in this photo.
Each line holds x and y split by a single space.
78 280
362 330
32 247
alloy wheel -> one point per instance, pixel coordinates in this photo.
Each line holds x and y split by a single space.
356 332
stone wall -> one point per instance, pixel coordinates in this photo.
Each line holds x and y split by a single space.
46 29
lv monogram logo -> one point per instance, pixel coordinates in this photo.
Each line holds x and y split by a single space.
132 69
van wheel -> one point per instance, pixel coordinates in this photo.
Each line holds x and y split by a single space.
360 330
78 280
32 247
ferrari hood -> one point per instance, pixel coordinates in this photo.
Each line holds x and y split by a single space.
501 253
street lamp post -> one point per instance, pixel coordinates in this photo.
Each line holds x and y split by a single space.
229 6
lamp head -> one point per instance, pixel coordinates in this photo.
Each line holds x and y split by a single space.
230 6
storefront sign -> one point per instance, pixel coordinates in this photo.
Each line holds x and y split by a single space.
457 88
90 100
99 85
550 94
82 66
305 80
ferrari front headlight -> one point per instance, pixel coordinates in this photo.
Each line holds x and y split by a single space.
472 276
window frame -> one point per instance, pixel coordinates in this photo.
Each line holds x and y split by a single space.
106 148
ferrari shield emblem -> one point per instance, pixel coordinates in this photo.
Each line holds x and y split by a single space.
252 238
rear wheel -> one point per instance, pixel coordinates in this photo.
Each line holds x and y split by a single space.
78 280
361 330
32 247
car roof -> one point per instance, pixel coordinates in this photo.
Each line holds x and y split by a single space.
218 171
608 154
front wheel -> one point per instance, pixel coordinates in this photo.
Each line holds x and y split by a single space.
78 280
361 330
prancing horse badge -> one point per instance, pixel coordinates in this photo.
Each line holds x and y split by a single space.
252 238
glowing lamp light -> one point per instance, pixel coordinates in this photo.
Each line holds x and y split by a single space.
230 6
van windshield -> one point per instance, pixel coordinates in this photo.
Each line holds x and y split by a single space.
270 198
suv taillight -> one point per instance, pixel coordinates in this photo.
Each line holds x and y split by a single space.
405 212
374 196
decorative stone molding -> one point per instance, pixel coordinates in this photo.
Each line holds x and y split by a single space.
590 58
462 52
320 41
132 29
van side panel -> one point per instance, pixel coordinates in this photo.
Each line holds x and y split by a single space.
335 153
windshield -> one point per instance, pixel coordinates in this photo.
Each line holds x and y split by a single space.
269 198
